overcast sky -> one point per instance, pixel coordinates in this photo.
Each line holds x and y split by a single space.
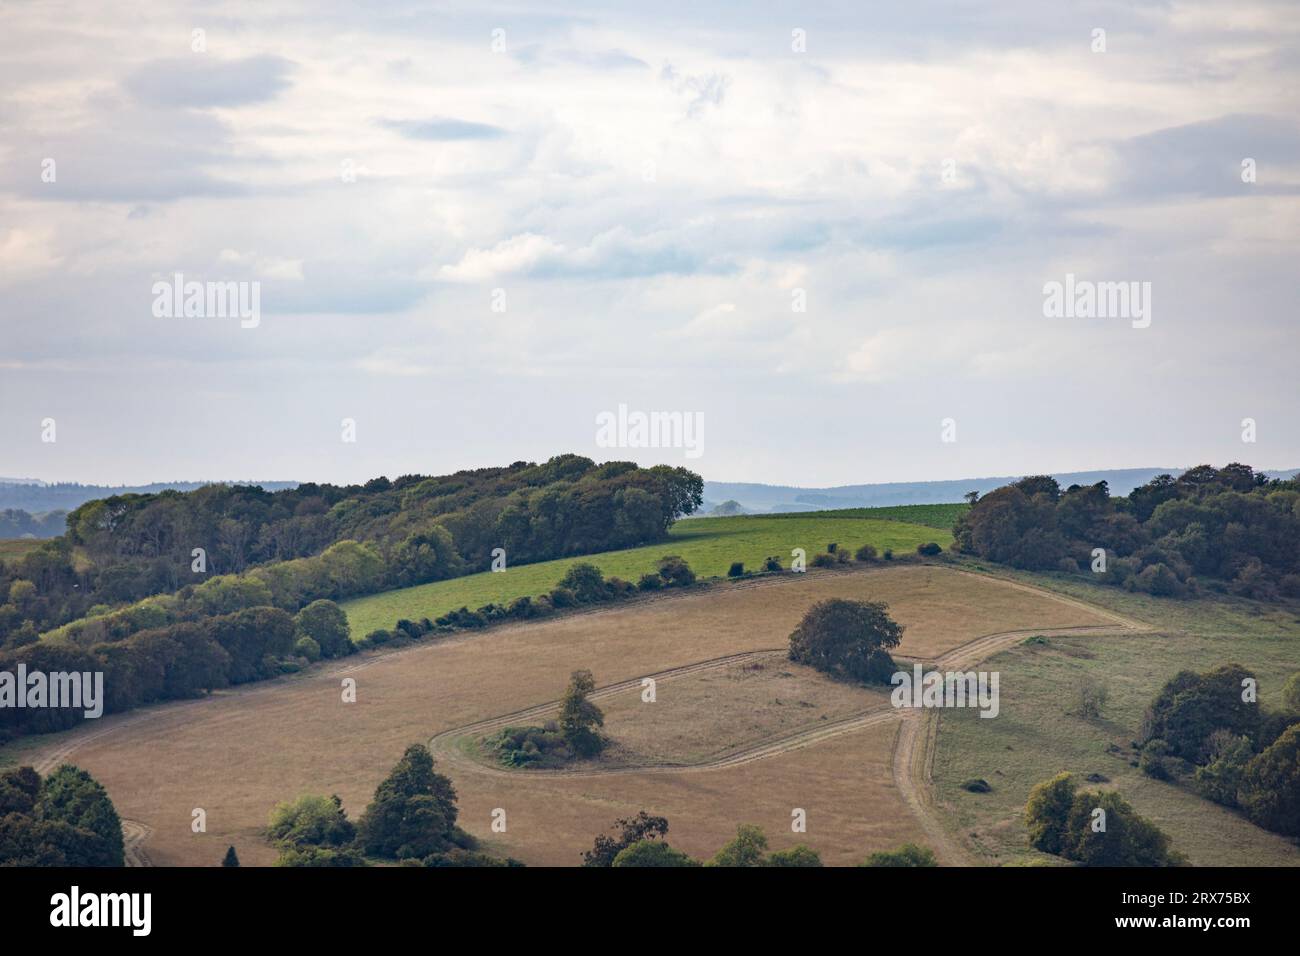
652 188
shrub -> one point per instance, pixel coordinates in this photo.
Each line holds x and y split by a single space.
618 588
771 563
736 570
1155 761
650 582
889 554
675 571
306 647
563 597
378 636
1291 694
866 553
823 560
1046 811
929 549
586 583
1090 697
909 854
326 624
1061 821
1220 779
311 821
977 785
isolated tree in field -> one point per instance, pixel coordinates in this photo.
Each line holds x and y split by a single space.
413 813
641 827
848 639
580 718
231 858
909 854
1270 786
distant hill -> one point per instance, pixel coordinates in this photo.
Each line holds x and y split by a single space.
35 497
773 499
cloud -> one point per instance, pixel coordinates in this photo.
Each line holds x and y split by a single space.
202 81
443 129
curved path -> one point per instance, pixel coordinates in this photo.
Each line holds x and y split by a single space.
914 746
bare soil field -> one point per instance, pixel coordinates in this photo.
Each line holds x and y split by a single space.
240 752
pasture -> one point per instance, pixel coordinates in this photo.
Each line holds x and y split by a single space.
709 545
240 752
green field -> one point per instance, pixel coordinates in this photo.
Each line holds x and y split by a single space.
933 516
1036 735
709 545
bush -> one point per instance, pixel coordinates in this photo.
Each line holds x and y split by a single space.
326 624
641 827
311 821
1090 697
977 785
1061 822
746 850
585 582
736 570
771 564
1190 707
866 553
675 571
618 588
1155 761
889 554
929 549
823 560
563 597
377 637
650 582
1220 779
306 647
909 854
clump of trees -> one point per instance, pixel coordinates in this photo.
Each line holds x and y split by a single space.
1093 828
412 818
66 819
1229 528
847 639
575 735
1209 731
640 841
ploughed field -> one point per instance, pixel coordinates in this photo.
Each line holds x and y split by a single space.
711 752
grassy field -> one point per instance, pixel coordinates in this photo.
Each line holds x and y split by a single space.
709 545
1037 734
933 516
242 751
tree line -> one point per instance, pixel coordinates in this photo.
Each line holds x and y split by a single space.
317 541
1230 528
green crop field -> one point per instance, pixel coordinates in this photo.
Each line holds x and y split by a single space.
709 545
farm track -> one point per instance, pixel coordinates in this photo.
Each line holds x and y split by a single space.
914 747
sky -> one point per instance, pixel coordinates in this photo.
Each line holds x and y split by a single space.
825 237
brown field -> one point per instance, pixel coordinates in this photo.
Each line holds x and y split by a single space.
238 753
